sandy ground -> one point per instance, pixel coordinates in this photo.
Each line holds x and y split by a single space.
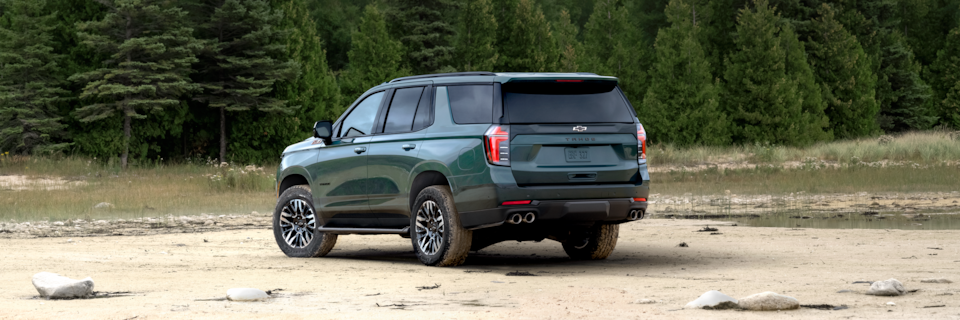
184 276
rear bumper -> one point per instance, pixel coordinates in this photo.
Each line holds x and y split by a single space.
585 210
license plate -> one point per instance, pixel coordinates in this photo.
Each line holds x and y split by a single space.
578 154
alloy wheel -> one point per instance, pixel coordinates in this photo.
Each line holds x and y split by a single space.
429 227
297 223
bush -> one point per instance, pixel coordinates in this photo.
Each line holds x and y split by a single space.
249 178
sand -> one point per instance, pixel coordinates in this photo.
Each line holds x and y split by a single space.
187 275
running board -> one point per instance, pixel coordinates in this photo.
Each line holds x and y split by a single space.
363 230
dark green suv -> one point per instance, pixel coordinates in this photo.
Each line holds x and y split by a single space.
460 161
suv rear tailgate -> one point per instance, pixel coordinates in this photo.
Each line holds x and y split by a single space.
542 155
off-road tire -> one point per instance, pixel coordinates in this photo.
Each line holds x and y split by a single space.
601 240
322 242
456 240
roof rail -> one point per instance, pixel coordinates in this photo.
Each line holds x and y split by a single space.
437 75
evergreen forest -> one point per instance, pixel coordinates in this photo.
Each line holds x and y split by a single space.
141 81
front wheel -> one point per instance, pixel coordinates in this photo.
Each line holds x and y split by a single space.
435 230
595 243
295 225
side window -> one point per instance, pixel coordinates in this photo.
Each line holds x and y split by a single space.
360 121
402 110
471 104
424 116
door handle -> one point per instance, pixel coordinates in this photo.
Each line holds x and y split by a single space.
360 150
409 146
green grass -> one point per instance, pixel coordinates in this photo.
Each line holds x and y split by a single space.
926 147
146 190
921 162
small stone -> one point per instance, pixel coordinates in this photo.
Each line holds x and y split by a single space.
246 294
103 205
891 303
645 301
713 299
769 301
889 287
936 280
55 286
58 223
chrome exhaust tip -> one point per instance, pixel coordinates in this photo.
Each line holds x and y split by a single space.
529 217
635 214
515 219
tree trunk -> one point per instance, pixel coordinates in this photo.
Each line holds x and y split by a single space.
126 137
223 135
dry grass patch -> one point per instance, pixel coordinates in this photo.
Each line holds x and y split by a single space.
70 188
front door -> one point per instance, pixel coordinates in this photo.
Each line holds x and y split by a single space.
340 190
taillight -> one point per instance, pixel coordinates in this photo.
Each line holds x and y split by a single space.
641 142
497 140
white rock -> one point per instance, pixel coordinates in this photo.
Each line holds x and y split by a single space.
55 286
936 280
769 301
58 223
891 303
103 205
889 287
712 299
246 294
645 301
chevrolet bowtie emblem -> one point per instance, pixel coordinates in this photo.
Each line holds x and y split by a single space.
579 128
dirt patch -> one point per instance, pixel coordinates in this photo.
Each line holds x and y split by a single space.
136 227
353 282
727 205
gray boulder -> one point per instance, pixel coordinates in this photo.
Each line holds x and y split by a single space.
713 299
769 301
55 286
889 287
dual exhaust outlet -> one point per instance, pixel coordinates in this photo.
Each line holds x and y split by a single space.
518 218
635 214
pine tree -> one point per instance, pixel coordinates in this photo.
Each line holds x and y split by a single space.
808 91
945 72
682 104
239 67
613 47
476 37
151 51
844 71
570 48
316 90
30 80
528 44
760 97
374 58
900 90
425 34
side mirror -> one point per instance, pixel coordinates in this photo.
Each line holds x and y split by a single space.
323 130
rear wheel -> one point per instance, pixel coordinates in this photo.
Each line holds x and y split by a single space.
295 224
595 243
436 233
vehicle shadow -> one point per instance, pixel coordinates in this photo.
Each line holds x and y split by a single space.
542 255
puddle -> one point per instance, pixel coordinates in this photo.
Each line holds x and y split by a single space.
869 220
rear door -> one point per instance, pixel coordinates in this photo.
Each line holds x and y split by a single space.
570 132
393 153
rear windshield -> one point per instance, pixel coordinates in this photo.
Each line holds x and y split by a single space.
552 102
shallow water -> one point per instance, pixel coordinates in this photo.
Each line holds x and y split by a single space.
934 221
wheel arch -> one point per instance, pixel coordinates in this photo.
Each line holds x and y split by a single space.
291 178
423 180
